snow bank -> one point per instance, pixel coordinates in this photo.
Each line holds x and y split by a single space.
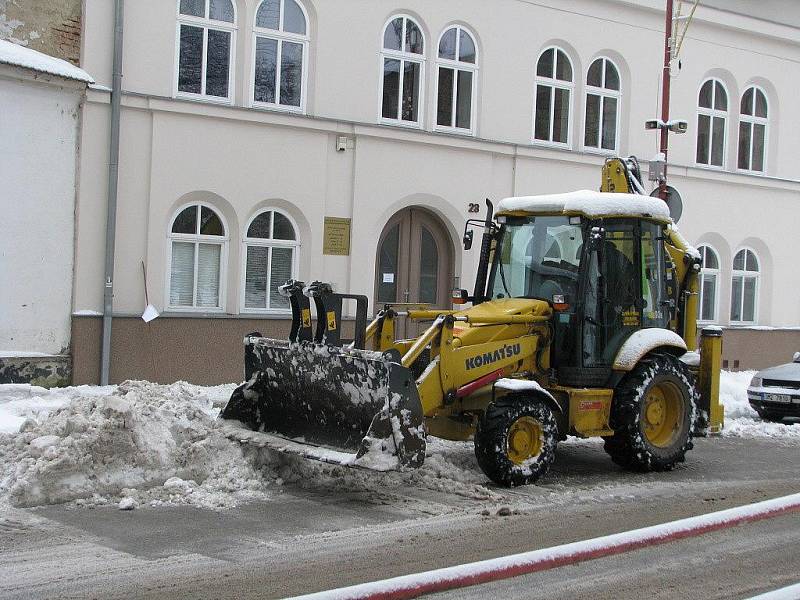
163 444
740 418
19 56
21 402
148 442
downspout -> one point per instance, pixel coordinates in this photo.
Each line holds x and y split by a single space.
113 179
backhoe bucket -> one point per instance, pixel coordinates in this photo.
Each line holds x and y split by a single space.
332 403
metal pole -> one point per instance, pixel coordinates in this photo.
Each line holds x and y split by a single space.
113 178
665 82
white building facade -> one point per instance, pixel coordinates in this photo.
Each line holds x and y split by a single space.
40 107
246 123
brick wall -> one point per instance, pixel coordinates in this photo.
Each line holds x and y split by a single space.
49 26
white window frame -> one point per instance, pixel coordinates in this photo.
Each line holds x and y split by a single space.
704 250
295 245
281 36
198 239
457 65
205 24
403 57
744 274
713 113
604 93
754 120
554 83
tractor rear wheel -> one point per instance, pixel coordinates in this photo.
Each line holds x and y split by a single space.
653 414
515 441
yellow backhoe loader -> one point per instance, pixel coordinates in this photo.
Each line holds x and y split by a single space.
582 322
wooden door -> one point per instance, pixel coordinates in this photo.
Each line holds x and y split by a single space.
414 264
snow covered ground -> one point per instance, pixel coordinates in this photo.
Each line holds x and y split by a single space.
145 443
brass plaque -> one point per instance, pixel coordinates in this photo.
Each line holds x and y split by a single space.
336 236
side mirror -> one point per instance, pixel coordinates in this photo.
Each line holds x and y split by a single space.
460 296
796 357
468 235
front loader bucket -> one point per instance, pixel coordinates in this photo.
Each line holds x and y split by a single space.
316 397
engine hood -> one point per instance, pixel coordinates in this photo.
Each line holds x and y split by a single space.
476 333
789 372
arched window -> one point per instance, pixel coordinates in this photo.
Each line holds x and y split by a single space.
457 65
709 281
602 105
205 46
753 130
712 117
197 249
281 51
403 61
744 287
553 98
270 259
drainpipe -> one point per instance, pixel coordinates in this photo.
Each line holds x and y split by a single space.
113 179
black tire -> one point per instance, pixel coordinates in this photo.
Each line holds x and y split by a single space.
771 417
492 440
643 442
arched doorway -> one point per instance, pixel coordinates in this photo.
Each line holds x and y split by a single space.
415 261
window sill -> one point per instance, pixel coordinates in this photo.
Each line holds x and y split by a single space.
399 123
553 145
454 131
750 172
194 310
721 169
278 108
600 151
204 99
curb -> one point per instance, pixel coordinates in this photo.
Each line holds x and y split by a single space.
448 578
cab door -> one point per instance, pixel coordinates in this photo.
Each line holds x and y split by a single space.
625 287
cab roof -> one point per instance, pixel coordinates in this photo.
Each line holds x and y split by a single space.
588 203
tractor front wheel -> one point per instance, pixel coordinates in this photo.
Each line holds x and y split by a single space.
653 415
515 441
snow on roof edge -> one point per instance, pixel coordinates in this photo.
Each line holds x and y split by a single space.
590 203
27 58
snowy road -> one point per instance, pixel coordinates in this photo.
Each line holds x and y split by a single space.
313 537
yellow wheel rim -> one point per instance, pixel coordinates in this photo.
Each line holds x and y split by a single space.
524 440
662 414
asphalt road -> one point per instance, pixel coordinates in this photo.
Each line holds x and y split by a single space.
319 538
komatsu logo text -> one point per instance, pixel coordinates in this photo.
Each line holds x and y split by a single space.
490 357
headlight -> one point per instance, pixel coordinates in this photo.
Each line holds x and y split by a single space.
755 382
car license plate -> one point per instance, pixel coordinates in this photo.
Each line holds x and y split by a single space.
783 398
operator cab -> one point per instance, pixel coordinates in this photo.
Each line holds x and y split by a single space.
605 277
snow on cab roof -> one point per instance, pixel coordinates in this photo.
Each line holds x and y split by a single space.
19 56
589 203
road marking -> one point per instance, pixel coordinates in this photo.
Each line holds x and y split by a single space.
459 576
788 593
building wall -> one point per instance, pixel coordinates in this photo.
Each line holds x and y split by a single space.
39 118
241 159
49 26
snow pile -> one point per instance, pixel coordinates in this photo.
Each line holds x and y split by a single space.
148 442
740 418
21 402
19 56
141 443
733 395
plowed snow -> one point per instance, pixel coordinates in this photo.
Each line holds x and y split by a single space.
144 443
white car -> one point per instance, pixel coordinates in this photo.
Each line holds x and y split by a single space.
775 392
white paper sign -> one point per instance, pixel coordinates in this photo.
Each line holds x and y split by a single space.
388 278
149 313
